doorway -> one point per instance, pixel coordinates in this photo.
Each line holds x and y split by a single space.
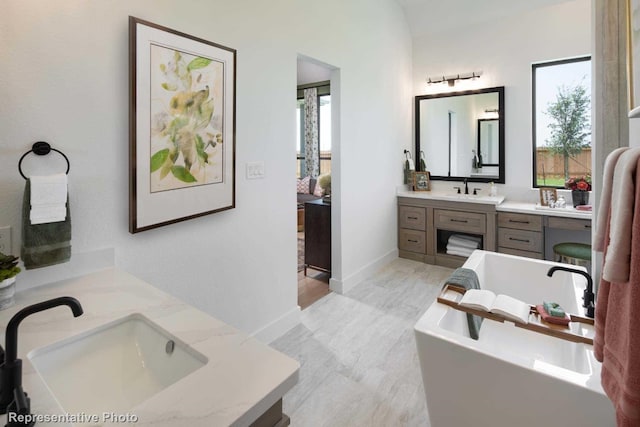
314 156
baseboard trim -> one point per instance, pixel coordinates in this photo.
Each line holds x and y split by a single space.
278 327
342 286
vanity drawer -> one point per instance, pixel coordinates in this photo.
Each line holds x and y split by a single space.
523 240
520 221
412 217
412 240
569 223
460 221
526 254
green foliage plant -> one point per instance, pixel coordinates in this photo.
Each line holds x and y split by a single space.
8 266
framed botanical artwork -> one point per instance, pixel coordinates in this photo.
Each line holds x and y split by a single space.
548 195
181 126
633 57
421 181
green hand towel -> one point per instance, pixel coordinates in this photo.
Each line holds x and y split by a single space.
44 244
468 279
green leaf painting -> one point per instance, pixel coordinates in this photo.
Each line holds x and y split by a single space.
187 117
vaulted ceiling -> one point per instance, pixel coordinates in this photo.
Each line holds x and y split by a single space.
431 16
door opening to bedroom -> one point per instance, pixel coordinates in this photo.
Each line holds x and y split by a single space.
313 167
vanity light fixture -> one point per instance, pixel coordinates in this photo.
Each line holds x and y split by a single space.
451 80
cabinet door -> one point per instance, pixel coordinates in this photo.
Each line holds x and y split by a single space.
520 221
466 222
523 240
317 235
412 240
411 217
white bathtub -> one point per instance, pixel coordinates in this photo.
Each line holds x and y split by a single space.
510 376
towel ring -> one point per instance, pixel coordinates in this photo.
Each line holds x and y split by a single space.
41 148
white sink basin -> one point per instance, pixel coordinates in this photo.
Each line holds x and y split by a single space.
440 195
114 367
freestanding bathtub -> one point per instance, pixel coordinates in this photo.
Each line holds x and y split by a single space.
511 376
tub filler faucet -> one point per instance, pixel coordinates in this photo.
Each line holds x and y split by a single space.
588 296
12 396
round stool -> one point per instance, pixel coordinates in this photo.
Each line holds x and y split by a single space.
572 253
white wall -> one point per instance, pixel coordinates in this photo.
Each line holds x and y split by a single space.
64 79
504 51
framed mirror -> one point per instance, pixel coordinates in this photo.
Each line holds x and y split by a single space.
462 134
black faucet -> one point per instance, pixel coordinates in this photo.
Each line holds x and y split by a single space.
466 186
588 296
12 397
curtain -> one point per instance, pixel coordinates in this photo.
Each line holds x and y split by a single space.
311 142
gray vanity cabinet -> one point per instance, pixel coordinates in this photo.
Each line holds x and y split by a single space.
521 234
425 225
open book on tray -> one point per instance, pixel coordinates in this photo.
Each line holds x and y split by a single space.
509 307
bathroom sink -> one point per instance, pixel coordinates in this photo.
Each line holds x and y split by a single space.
114 367
472 198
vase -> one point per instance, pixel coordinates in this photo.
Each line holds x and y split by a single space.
580 197
7 291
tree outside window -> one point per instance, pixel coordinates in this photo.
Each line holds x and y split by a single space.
561 121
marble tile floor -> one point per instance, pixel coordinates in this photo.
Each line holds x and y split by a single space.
359 365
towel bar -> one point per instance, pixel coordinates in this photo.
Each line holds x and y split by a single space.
41 148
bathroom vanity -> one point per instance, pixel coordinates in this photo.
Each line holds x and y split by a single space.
426 220
530 230
220 375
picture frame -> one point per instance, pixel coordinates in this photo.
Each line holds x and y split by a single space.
633 57
181 126
548 195
421 181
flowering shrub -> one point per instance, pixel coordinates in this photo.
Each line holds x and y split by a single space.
581 184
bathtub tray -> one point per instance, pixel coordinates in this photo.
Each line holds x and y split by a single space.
535 324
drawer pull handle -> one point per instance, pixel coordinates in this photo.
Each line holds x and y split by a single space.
587 226
519 240
412 241
518 221
459 220
412 217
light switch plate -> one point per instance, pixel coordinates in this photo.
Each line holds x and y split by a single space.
255 170
5 240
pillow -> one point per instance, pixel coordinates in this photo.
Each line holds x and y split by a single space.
303 185
318 191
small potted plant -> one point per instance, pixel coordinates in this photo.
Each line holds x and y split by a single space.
580 188
8 271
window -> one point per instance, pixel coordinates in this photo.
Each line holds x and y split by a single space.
324 130
561 121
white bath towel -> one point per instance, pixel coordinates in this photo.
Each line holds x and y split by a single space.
459 253
618 256
48 199
599 237
464 242
459 250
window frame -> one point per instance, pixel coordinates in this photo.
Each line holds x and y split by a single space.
534 67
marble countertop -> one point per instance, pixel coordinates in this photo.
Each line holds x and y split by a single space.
452 196
242 379
535 209
500 203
